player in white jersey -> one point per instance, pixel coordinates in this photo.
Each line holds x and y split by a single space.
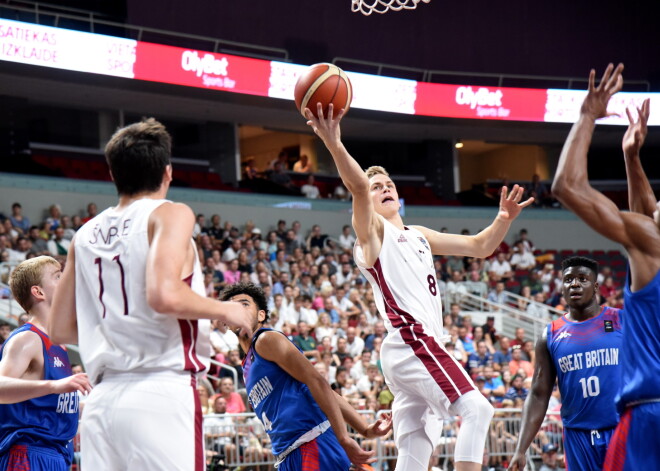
132 295
427 382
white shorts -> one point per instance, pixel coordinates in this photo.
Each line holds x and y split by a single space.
425 380
143 421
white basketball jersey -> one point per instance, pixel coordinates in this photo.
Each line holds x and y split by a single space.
403 280
117 330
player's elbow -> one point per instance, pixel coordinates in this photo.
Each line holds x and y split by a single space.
163 300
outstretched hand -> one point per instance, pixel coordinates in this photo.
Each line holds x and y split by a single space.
379 428
518 462
326 127
595 103
633 139
510 205
357 455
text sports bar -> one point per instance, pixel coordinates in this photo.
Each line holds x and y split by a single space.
46 46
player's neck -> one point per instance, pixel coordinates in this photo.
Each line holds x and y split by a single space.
38 315
396 220
581 315
127 200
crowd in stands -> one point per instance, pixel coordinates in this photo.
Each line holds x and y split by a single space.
320 300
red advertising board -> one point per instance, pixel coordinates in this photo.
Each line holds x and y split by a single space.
475 102
180 66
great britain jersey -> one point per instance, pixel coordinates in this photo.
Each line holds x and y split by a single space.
587 358
641 344
118 330
284 405
49 421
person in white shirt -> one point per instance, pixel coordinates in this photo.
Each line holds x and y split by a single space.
354 344
521 258
222 339
58 245
500 268
309 189
346 239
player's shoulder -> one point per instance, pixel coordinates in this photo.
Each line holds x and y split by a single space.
27 342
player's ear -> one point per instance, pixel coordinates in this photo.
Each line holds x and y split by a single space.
261 315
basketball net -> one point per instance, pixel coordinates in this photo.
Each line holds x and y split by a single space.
367 7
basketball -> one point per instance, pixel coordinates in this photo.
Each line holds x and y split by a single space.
323 83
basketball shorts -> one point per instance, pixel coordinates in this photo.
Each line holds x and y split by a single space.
425 380
324 453
33 458
143 420
585 449
636 441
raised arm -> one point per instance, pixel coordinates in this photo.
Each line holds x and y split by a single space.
641 198
62 323
536 403
368 226
485 242
171 254
275 347
571 184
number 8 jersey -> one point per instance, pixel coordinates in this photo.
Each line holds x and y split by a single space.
117 329
586 357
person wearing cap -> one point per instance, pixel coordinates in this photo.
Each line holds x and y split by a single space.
549 457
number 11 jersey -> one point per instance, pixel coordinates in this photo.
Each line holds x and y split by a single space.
117 329
586 357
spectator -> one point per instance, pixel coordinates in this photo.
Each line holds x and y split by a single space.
250 170
54 215
18 221
478 336
58 245
232 274
39 243
346 239
235 363
5 330
498 295
305 342
516 391
522 259
480 358
538 308
303 165
517 363
489 330
354 344
549 458
502 357
493 387
370 384
215 230
223 340
455 287
310 189
219 431
500 268
235 404
519 338
92 211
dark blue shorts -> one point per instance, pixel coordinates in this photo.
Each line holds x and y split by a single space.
33 458
585 450
636 441
324 453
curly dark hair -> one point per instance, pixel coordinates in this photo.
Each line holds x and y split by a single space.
580 262
252 290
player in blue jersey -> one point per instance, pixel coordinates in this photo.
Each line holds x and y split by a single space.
636 443
38 393
581 350
305 419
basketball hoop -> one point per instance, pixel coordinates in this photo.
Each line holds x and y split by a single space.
367 7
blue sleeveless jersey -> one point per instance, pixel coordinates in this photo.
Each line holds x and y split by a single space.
587 356
641 344
49 421
283 404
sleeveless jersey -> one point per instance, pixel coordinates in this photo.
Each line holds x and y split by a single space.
641 344
283 404
49 421
117 328
586 356
403 280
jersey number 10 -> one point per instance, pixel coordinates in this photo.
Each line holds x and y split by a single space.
590 386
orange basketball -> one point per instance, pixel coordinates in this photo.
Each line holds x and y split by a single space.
323 83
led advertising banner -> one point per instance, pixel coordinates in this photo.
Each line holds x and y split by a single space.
45 46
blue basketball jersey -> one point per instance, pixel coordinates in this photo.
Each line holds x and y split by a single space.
641 344
586 356
283 404
49 421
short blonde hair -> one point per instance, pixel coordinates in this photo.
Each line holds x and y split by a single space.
26 275
376 170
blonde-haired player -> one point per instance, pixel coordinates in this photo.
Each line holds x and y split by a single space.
38 393
132 292
427 382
